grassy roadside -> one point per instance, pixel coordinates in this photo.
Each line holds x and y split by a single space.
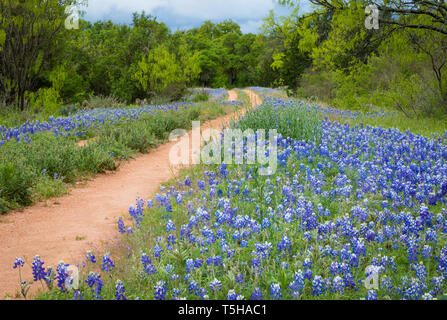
425 126
48 165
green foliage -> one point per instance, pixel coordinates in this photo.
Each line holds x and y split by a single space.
162 72
102 102
354 68
15 187
68 110
45 100
31 36
68 83
200 97
292 120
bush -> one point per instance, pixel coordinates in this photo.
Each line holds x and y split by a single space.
322 85
200 97
68 110
102 102
412 96
15 187
174 91
45 100
95 158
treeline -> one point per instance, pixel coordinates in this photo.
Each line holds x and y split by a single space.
330 54
124 63
327 54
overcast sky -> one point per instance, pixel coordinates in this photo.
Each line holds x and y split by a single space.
184 14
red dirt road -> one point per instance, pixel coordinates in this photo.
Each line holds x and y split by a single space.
64 228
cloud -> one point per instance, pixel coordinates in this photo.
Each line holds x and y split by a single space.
182 14
251 26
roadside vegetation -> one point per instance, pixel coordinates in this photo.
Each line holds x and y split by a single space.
333 215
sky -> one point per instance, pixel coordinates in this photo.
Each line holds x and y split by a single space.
185 14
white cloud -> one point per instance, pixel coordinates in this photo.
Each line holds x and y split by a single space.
221 9
102 8
251 26
182 13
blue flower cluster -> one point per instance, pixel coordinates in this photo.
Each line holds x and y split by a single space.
79 123
365 200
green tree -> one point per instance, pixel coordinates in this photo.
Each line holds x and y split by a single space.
162 68
30 34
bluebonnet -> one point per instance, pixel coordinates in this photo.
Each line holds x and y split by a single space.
95 282
372 295
18 263
62 275
157 251
215 285
78 295
338 284
240 278
120 290
318 286
193 287
38 269
160 290
169 268
284 244
121 227
91 257
256 294
170 226
232 295
296 287
107 263
148 267
275 291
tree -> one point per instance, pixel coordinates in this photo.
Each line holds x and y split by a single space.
162 68
228 34
400 13
287 58
434 46
29 36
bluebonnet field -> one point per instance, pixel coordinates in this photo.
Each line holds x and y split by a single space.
217 94
79 123
350 202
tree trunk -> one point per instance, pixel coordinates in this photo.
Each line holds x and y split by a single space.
230 77
21 99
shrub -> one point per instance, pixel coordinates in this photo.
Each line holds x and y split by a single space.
174 91
15 187
68 110
102 102
45 100
200 97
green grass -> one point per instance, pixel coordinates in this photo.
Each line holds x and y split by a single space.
290 120
423 125
426 126
242 96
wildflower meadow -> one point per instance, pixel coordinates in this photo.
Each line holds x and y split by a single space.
352 212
